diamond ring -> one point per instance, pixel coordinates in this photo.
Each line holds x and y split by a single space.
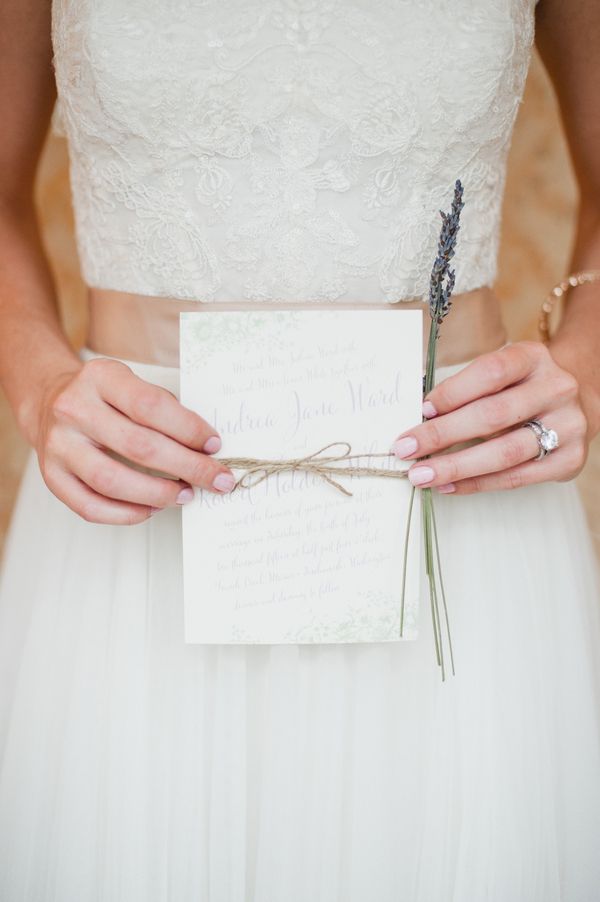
547 439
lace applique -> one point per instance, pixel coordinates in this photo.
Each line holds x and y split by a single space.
286 149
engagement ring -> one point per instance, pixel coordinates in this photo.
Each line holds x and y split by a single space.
547 439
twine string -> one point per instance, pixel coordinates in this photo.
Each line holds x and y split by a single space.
256 469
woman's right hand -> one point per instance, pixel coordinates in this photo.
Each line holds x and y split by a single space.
103 406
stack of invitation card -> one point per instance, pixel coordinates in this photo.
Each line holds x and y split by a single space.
292 559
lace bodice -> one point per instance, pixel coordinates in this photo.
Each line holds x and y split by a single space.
286 149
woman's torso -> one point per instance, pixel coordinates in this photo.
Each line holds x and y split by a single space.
287 150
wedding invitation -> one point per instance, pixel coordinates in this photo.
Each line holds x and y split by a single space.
291 559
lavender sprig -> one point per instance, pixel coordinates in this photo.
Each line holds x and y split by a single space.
441 287
441 283
439 295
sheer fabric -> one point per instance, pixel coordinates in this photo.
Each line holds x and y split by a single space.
135 768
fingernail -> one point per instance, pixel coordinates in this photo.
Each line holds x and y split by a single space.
184 496
429 410
212 444
224 482
446 489
421 475
404 447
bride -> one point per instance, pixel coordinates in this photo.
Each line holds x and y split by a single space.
291 151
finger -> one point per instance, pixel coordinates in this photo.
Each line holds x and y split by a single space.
155 451
157 408
556 466
561 464
486 375
89 504
112 479
483 417
501 453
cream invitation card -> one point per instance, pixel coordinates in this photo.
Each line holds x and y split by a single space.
293 559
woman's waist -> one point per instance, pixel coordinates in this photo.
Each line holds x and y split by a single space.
145 329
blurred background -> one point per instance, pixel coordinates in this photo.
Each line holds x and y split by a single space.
538 223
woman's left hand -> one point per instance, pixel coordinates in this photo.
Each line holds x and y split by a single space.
491 398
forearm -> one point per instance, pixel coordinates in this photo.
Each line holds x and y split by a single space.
576 342
35 350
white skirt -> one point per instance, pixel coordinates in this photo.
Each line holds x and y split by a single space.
136 768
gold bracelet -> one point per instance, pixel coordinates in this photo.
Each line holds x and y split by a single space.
572 281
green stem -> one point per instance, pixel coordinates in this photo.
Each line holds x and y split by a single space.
429 526
430 360
433 566
437 622
430 571
442 589
405 561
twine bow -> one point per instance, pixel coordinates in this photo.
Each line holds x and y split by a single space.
256 470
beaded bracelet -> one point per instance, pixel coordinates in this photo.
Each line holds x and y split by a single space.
572 281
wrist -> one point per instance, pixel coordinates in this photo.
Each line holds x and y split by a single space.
29 409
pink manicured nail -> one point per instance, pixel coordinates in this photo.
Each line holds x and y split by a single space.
224 482
212 444
421 475
429 410
404 447
446 489
184 496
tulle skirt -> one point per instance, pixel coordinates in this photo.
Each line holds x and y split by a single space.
136 768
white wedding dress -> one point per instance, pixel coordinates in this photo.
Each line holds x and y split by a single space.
294 149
